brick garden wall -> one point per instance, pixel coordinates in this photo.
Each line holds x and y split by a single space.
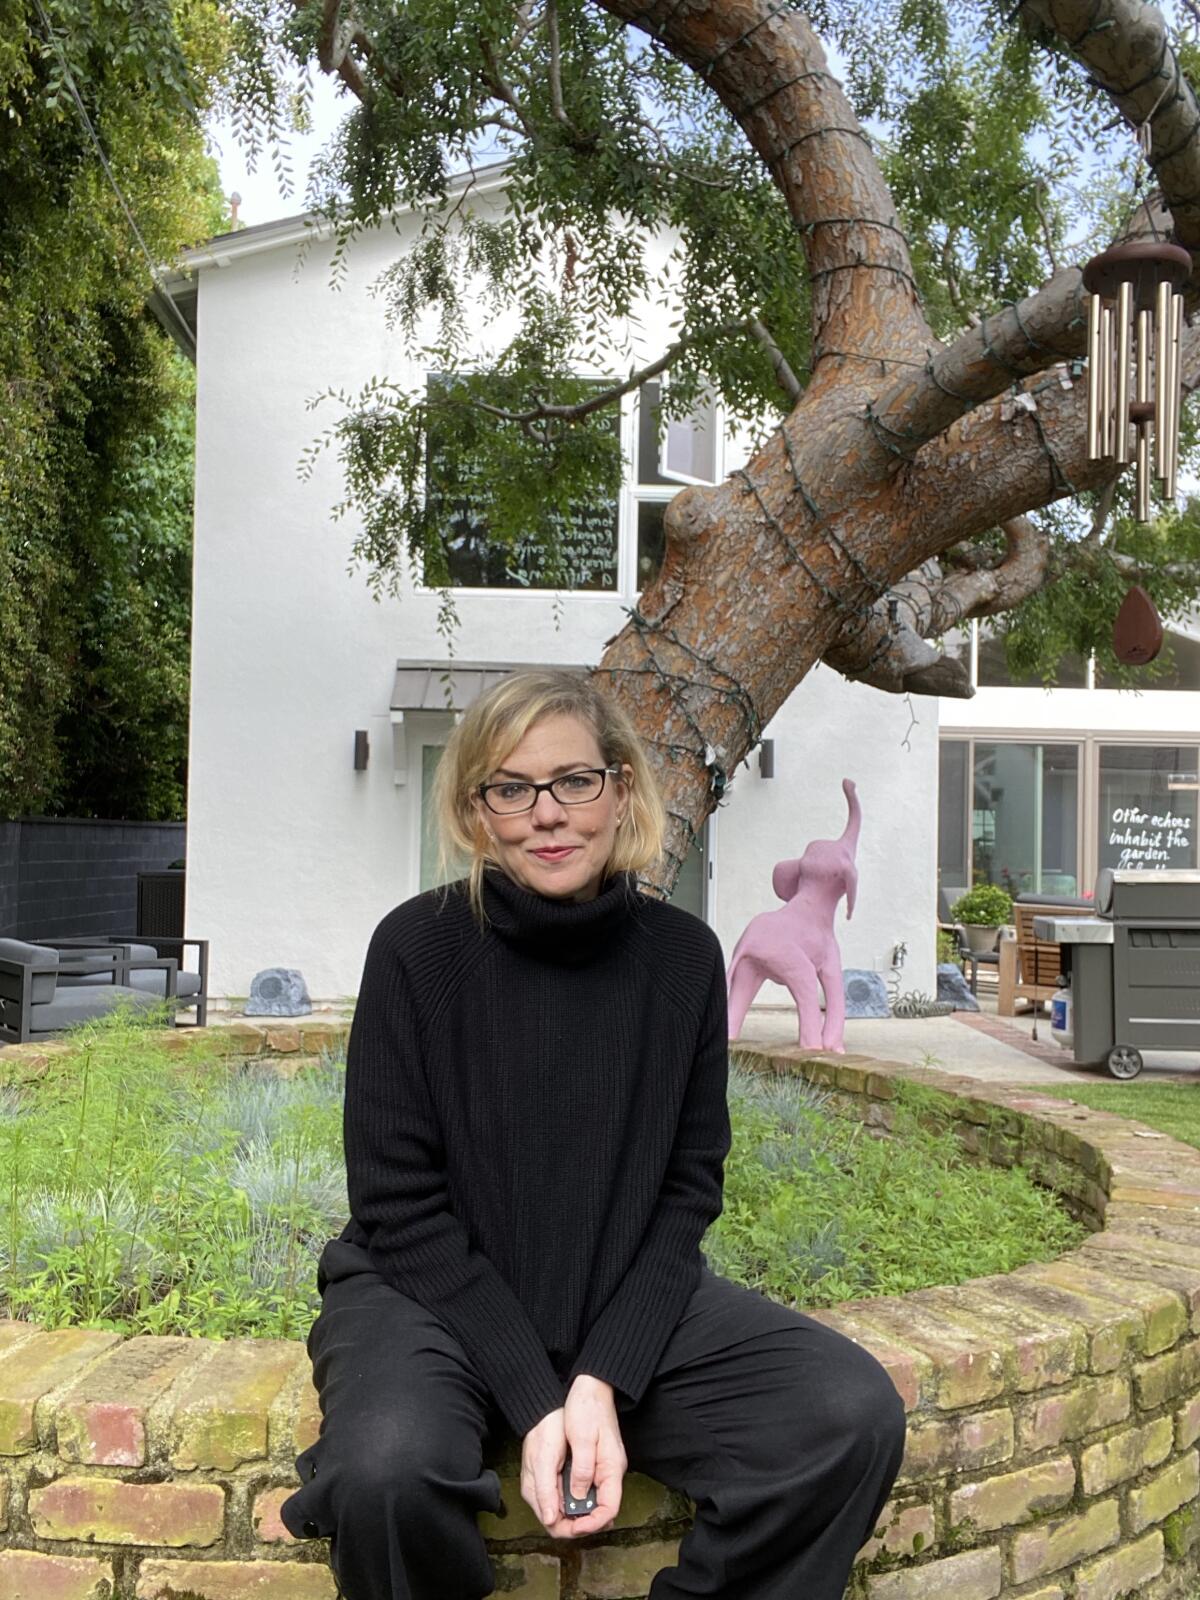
1053 1413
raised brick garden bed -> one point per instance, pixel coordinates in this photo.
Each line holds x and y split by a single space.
1054 1413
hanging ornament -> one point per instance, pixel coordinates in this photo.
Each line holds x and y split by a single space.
1135 321
1138 630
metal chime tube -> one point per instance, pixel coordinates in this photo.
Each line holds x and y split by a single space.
1173 439
1121 410
1107 431
1095 313
1145 332
1162 377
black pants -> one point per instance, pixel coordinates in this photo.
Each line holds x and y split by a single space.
785 1434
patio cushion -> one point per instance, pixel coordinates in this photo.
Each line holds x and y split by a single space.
27 954
81 1004
154 981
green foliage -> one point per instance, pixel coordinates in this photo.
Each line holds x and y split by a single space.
1003 159
817 1210
156 1191
95 452
152 1191
986 906
947 947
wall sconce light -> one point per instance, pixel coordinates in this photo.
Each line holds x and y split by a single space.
362 750
766 759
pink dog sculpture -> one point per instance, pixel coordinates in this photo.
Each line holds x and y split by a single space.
795 945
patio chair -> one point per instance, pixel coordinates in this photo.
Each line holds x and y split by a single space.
44 991
1031 967
145 968
970 958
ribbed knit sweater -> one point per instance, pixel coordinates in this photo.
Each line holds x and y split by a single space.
536 1127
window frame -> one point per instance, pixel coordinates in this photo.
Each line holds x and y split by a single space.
1088 798
630 494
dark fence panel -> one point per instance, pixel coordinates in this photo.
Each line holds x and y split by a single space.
66 877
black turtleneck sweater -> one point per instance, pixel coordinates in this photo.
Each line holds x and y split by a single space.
536 1127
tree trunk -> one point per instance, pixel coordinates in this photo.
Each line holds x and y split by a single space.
885 462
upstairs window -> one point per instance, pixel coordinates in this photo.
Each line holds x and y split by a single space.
667 454
589 539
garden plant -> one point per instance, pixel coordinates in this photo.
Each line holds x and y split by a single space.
151 1190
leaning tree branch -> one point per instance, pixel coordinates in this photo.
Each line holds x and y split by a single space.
896 655
787 379
768 68
1114 40
545 410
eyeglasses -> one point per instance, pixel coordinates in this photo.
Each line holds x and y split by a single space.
572 789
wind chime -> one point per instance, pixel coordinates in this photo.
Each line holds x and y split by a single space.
1135 323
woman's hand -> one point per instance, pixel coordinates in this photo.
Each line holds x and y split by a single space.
587 1425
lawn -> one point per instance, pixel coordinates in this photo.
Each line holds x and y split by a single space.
149 1191
1172 1108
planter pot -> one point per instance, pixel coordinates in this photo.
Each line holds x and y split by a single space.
980 940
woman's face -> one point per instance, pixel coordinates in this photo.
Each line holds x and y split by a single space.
578 837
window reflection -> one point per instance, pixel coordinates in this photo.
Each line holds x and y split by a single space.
1024 818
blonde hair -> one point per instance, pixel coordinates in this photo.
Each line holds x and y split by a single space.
494 725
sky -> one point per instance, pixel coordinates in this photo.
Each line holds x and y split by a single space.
262 198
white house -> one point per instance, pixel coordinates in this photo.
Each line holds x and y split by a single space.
293 853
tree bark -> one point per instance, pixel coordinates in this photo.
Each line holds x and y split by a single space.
899 448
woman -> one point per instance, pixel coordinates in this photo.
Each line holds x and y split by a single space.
535 1129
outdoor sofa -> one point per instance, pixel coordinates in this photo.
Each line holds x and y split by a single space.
49 985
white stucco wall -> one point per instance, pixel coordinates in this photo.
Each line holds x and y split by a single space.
293 856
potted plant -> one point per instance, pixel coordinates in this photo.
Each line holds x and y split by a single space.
983 911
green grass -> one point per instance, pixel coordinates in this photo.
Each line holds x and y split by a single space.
150 1191
1172 1108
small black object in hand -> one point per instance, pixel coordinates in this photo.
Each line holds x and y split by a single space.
571 1506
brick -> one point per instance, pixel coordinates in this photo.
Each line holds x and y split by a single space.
1167 1377
1172 1265
966 1444
1163 1315
1164 1493
974 1575
220 1417
107 1511
1109 1328
100 1420
900 1531
527 1577
623 1572
967 1366
1062 1540
1125 1572
34 1368
24 1575
1187 1423
235 1580
1044 1353
909 1372
1090 1404
13 1333
264 1518
1123 1456
1014 1497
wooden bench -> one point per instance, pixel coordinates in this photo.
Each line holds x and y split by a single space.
1029 966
